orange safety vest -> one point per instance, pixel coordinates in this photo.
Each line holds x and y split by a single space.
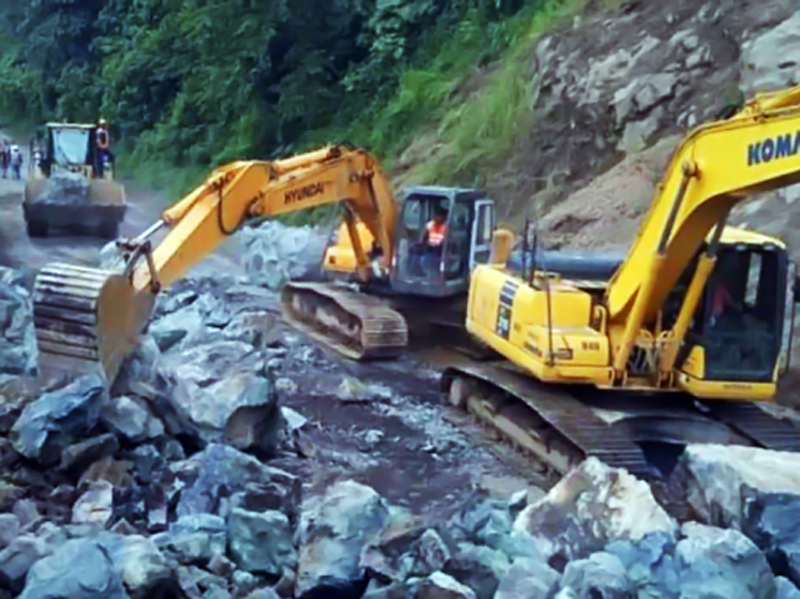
436 233
102 138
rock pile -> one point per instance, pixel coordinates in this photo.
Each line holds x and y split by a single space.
276 253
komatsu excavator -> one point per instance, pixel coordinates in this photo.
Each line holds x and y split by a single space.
85 318
692 329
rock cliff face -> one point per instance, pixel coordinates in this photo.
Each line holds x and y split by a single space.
613 84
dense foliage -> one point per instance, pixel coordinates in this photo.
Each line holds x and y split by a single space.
198 82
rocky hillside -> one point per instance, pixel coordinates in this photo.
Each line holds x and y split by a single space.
610 85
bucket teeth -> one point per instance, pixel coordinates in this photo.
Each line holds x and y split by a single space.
65 308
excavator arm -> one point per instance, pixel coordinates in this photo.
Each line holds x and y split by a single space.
715 168
86 318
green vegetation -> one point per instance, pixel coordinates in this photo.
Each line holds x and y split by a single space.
190 84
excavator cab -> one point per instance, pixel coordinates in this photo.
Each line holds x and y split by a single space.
743 325
431 267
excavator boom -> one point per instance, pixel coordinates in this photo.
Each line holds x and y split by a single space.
88 318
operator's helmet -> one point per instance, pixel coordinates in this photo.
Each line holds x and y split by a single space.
102 121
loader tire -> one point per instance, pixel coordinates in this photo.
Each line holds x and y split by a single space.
37 228
109 231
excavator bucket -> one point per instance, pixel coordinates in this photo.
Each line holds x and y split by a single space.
96 205
86 319
358 326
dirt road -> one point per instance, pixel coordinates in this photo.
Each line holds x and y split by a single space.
17 250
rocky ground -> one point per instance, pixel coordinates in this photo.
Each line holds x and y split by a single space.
234 459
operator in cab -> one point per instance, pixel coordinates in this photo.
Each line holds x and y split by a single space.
427 255
103 145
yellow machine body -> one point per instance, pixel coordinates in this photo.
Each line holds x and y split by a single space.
651 327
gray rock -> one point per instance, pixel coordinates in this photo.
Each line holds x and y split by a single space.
26 512
482 520
721 563
131 419
637 133
432 551
220 565
220 468
266 593
591 506
528 579
178 330
258 328
216 592
18 352
480 568
441 586
261 542
219 393
650 565
600 576
148 461
17 559
276 253
333 531
80 455
764 63
59 418
521 545
141 566
80 569
753 490
518 502
139 368
9 529
408 589
195 538
244 581
785 589
96 505
721 481
174 302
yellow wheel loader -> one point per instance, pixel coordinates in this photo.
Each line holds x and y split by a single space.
86 317
68 188
691 331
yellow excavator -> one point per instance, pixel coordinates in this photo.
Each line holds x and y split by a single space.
696 311
85 318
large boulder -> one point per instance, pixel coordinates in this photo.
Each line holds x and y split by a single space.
79 569
650 564
763 62
721 563
276 253
18 353
220 393
220 471
591 506
333 531
756 491
59 418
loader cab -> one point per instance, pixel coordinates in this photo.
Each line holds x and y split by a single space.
743 327
68 147
440 270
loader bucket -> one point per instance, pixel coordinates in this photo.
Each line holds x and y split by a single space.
100 210
86 319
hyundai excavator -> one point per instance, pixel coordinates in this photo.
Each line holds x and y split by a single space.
691 331
87 318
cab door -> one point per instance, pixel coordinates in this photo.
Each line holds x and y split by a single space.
482 227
